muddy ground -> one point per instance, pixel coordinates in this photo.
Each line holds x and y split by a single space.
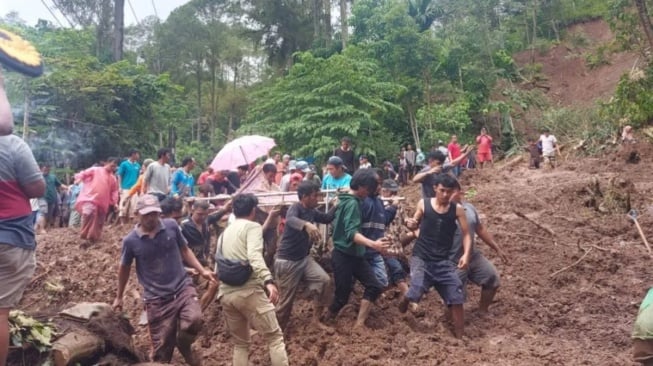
581 316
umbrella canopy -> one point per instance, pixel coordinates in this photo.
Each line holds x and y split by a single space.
242 151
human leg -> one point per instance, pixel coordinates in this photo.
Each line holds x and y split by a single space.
264 320
97 223
162 322
318 283
364 272
343 278
209 295
417 283
16 269
238 324
288 276
397 274
483 273
190 324
450 288
375 261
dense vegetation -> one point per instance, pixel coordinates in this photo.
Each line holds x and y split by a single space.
385 72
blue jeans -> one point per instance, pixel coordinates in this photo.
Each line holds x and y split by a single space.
440 274
395 270
375 259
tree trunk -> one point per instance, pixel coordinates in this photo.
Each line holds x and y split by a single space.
645 21
26 110
328 31
413 127
213 103
118 28
344 26
198 72
317 17
534 35
76 347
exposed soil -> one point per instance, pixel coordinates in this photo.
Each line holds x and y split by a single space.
581 316
570 82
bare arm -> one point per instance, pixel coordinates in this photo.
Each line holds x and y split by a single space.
35 189
487 237
419 177
413 223
189 258
123 277
467 239
456 161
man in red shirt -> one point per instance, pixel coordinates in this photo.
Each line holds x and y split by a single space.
454 152
484 143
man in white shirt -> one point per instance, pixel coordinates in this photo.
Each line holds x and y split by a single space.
549 147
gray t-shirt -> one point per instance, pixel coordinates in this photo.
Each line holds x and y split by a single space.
159 265
157 177
473 222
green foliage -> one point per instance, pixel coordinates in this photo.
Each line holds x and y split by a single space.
633 99
322 100
26 331
597 58
439 121
586 124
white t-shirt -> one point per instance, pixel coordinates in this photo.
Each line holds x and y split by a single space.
548 145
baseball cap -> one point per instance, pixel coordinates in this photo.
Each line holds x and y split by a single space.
362 157
303 166
292 165
147 203
335 161
390 185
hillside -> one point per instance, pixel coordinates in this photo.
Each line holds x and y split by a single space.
567 80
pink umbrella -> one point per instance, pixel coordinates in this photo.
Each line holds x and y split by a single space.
242 151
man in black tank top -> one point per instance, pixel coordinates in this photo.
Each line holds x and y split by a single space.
430 265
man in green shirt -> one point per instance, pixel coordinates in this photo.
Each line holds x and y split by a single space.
349 244
49 202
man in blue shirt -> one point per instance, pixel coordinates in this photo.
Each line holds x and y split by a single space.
128 173
336 177
183 182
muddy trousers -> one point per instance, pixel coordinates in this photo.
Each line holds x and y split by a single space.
345 269
171 317
250 307
92 222
289 275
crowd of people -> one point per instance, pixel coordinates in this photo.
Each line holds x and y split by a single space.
264 255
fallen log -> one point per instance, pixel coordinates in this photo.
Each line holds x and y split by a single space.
513 162
76 347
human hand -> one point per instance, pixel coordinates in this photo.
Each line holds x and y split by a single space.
411 223
503 256
209 275
312 231
381 245
463 262
435 170
227 206
273 293
192 271
117 304
275 212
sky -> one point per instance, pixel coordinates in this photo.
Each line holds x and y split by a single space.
33 10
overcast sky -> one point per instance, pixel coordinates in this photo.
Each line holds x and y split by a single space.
33 10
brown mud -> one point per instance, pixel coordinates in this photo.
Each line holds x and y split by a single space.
581 316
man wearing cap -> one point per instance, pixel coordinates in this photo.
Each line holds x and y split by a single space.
336 177
284 183
173 311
